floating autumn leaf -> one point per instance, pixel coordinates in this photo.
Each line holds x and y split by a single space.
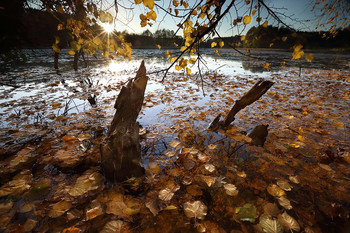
283 184
298 53
309 57
247 19
64 158
203 157
170 207
56 105
174 143
209 167
231 190
266 65
59 209
166 194
82 137
284 202
115 226
23 157
221 44
14 187
85 183
72 230
195 209
270 225
271 209
208 180
247 213
213 44
29 225
5 206
212 147
289 222
94 210
265 24
239 137
169 153
275 191
294 179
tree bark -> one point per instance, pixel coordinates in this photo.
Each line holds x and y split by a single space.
120 151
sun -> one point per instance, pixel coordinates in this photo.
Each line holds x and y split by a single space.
108 28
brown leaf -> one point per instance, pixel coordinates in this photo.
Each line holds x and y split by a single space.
195 209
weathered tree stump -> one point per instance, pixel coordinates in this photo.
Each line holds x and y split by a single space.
259 89
120 150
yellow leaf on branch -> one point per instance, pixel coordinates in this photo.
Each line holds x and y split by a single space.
247 19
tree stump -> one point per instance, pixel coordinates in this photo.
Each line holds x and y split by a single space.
120 150
259 89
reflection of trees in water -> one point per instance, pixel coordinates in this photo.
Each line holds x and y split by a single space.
253 66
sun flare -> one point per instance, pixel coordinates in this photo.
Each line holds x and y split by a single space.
109 28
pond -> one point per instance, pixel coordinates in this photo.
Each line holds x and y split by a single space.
51 126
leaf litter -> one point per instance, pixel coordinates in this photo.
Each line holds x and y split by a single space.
196 180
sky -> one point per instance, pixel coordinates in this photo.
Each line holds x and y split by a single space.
296 13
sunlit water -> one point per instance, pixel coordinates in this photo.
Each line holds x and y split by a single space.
37 80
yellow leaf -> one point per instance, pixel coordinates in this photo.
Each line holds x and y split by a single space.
213 44
138 1
178 68
71 52
248 51
193 60
55 105
247 19
56 48
171 207
265 24
266 65
221 44
242 38
185 4
173 59
271 45
188 70
149 3
59 27
152 15
175 3
158 46
284 38
298 47
309 57
59 9
298 54
283 63
168 54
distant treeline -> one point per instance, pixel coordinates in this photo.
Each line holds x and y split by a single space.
38 29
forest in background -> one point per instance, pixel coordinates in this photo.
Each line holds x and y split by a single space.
35 22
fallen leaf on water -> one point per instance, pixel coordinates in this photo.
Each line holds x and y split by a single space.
289 222
325 167
94 211
170 207
284 202
86 183
169 153
14 187
209 167
270 225
212 147
231 189
271 209
208 180
165 194
5 206
72 230
195 209
275 191
115 226
174 143
29 225
283 184
294 179
59 209
247 213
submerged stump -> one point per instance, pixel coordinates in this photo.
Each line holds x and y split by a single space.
120 150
